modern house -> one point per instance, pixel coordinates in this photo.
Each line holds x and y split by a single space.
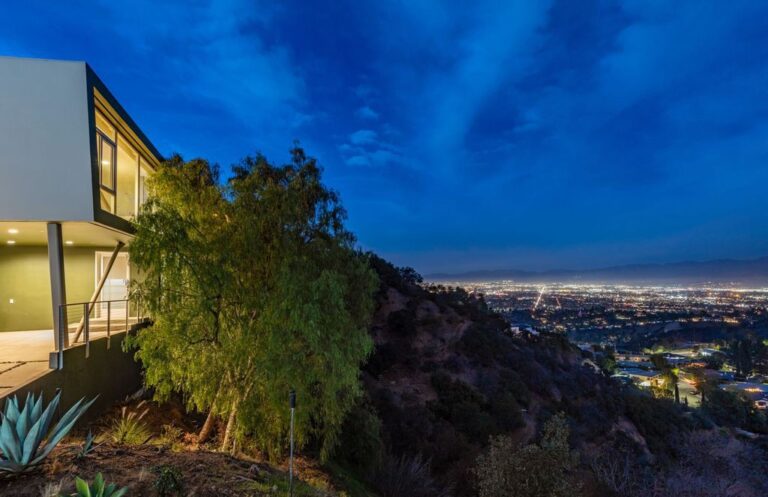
73 170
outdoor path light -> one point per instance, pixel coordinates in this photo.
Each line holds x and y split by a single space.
292 403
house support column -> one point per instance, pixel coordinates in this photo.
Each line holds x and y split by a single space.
58 292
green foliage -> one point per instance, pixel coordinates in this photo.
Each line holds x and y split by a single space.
254 288
169 481
129 428
607 362
462 406
22 431
660 421
277 484
734 409
537 470
510 381
669 388
360 446
471 412
406 475
170 436
749 355
98 489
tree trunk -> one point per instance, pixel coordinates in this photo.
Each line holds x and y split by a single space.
230 429
677 393
207 428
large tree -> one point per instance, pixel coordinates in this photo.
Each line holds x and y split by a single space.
254 288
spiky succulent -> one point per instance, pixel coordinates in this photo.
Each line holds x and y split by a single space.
98 489
87 446
22 431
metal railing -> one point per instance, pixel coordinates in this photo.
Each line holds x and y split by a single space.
83 321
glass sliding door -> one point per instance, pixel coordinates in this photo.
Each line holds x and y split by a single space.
115 287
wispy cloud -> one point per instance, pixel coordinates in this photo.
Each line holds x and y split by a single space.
481 128
365 112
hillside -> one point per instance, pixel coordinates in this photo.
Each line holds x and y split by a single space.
446 375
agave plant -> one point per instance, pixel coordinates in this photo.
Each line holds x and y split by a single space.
87 446
22 431
98 489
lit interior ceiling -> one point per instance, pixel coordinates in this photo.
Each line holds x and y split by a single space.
73 234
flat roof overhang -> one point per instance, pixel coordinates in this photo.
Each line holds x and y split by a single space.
77 234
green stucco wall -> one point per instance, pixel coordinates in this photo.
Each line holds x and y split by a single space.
24 277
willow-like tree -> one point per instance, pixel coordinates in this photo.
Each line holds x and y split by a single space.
255 288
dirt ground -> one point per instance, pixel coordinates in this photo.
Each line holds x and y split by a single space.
204 472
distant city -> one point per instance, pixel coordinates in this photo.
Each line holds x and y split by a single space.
672 339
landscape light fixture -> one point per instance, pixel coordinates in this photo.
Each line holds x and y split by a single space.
292 403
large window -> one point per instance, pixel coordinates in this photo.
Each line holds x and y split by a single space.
127 171
122 170
106 137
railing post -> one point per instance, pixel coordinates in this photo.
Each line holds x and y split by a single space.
126 315
63 328
109 323
87 330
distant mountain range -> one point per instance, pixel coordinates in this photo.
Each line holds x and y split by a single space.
723 271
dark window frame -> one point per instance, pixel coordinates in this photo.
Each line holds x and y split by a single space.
113 162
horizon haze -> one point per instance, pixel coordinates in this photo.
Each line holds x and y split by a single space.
751 272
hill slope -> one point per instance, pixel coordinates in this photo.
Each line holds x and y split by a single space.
446 375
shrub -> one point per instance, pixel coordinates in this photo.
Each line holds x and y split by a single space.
463 406
402 322
170 436
406 475
485 345
384 357
658 420
129 428
732 409
536 470
360 446
169 481
22 431
510 381
98 489
506 412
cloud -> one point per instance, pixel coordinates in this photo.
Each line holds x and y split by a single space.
495 127
365 148
363 137
366 112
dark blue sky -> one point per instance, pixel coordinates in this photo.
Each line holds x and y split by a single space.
461 135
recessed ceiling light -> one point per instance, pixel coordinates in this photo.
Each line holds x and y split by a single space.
69 242
13 231
11 242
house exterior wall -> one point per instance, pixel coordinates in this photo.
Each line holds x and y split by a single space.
45 164
24 277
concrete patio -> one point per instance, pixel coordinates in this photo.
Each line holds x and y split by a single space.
24 355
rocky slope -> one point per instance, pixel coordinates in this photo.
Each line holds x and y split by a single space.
447 374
